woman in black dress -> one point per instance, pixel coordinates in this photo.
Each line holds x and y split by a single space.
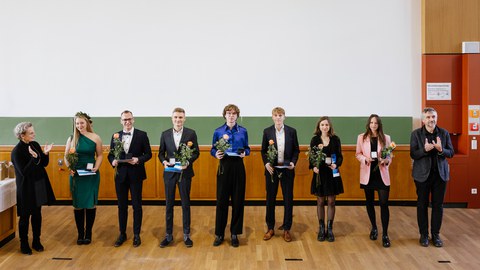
33 185
374 173
330 183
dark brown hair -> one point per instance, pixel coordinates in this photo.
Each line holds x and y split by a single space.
369 133
317 127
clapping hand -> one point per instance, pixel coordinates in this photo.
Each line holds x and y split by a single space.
438 145
429 146
33 153
47 148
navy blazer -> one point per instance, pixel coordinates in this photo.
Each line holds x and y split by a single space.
291 144
168 150
139 148
422 161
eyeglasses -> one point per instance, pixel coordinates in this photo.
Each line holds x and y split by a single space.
127 120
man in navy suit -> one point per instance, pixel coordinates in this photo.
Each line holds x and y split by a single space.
284 139
430 146
170 143
130 175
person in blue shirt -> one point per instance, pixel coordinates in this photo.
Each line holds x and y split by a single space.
230 175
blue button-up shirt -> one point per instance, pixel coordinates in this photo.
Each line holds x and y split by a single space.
237 138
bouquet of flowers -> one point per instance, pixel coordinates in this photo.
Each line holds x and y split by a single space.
386 152
184 154
316 156
222 145
72 159
271 155
117 149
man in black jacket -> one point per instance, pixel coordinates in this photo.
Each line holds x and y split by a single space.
172 141
130 173
430 146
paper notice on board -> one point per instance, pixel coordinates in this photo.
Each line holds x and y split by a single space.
439 91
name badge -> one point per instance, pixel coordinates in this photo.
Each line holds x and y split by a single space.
328 160
373 155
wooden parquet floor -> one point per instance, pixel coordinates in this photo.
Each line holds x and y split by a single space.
351 250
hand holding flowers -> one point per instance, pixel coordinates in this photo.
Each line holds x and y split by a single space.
184 153
72 159
221 145
386 152
271 156
316 157
117 149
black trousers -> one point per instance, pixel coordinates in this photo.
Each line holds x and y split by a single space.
286 180
24 221
230 184
436 187
135 187
171 180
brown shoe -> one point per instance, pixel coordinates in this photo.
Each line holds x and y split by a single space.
286 236
268 235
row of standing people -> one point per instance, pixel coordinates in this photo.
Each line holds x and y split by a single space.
429 148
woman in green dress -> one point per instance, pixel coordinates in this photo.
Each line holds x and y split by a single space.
86 147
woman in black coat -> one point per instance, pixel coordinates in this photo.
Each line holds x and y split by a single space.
33 185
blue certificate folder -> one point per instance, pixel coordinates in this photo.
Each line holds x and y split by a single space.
176 168
85 173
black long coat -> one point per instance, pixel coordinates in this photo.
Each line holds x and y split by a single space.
33 185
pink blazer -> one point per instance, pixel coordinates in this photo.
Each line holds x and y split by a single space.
363 151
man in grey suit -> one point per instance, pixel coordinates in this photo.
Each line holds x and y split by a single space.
430 146
170 144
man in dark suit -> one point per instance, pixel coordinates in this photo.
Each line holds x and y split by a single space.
284 139
171 143
430 146
130 173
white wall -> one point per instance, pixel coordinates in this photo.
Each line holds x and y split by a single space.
312 57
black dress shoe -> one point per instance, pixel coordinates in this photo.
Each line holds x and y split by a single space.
136 240
36 245
165 242
218 240
121 238
424 240
374 234
188 242
235 243
25 248
386 241
436 240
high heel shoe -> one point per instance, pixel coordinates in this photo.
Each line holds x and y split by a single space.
374 234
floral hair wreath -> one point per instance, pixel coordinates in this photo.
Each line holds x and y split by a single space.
84 115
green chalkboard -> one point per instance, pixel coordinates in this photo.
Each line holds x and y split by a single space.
57 129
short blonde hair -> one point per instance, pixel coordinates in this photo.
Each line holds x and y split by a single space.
278 110
21 128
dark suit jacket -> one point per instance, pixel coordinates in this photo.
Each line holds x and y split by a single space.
139 148
168 150
422 161
291 144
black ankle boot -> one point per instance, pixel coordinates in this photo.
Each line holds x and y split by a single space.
386 241
90 214
321 231
80 222
37 245
25 248
374 234
330 236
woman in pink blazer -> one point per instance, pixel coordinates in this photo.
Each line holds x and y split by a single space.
374 173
